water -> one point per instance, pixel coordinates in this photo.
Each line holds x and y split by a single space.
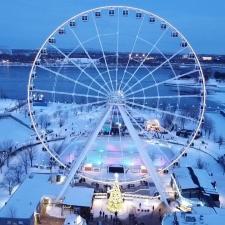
14 80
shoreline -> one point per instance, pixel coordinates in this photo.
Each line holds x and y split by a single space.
178 66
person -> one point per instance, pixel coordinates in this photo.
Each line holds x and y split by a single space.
153 208
160 218
139 205
116 213
100 213
111 217
103 214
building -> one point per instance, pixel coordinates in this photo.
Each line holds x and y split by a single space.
207 58
38 191
198 216
195 183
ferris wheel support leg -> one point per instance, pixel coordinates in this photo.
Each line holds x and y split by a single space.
83 154
144 155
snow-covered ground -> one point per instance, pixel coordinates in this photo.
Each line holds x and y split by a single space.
107 151
7 104
12 130
129 207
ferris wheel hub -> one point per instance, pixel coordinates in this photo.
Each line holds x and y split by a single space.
116 97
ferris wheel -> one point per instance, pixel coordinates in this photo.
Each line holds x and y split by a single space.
114 75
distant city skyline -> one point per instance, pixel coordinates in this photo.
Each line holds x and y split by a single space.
26 24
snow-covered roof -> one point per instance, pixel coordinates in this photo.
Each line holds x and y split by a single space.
205 181
27 197
79 196
183 178
202 216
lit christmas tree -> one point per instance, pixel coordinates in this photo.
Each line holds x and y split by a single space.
115 202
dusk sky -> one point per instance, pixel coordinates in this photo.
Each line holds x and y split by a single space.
26 23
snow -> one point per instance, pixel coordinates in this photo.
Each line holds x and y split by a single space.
7 104
144 156
199 216
84 152
183 179
12 130
27 198
130 206
74 197
204 180
74 219
41 187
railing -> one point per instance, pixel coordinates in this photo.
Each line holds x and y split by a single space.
126 196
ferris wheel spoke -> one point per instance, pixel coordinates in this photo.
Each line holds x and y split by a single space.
81 69
102 103
103 52
146 57
163 82
67 93
132 50
88 55
117 46
87 41
70 79
120 136
161 111
158 67
165 97
163 128
165 57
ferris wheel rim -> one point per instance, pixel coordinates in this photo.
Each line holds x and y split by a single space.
201 112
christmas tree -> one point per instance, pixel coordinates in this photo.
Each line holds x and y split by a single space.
115 202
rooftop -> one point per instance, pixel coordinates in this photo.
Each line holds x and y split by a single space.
35 188
185 180
199 216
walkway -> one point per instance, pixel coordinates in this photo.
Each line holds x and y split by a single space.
139 218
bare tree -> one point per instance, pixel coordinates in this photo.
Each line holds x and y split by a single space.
31 154
182 122
208 126
24 159
18 172
167 121
11 212
220 141
44 121
2 159
7 147
200 164
221 161
61 121
9 181
51 162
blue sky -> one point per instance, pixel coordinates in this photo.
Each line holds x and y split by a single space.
26 23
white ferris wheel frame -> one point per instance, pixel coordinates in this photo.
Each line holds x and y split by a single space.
203 97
